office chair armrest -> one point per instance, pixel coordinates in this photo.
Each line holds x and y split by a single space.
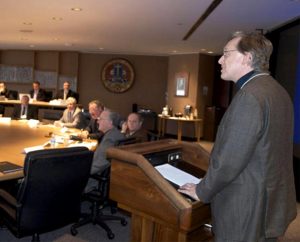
99 177
7 197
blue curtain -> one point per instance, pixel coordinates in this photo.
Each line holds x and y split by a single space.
297 100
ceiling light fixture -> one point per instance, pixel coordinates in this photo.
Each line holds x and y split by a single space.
26 30
76 9
57 18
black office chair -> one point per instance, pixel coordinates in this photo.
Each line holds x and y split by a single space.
49 196
12 94
48 95
152 136
98 197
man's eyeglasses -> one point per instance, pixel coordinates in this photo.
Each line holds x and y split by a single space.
102 119
226 52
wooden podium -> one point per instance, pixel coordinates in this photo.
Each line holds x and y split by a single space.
159 212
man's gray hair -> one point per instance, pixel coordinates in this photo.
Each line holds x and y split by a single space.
258 46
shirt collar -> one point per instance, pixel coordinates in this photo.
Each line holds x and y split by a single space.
245 78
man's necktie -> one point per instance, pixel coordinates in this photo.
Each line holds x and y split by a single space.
69 117
23 110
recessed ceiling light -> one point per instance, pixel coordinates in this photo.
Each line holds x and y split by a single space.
57 18
203 49
31 46
26 30
174 51
210 52
76 9
101 48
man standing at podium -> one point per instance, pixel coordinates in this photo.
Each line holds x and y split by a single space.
250 181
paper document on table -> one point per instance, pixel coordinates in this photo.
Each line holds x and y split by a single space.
33 148
176 175
89 145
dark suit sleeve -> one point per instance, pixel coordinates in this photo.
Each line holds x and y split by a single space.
42 95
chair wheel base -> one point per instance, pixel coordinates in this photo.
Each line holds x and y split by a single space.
110 235
74 231
123 222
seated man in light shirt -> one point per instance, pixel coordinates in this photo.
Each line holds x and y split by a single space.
132 128
24 110
72 116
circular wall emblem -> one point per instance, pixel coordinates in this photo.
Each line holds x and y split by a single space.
118 75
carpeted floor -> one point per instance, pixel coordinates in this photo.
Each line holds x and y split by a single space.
92 233
87 233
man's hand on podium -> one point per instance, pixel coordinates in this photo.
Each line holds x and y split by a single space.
190 190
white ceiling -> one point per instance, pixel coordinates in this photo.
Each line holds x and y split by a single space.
151 27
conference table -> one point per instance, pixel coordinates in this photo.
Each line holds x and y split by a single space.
162 120
15 135
51 104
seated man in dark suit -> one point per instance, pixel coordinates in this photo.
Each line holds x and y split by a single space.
92 130
37 93
24 111
66 92
3 90
72 116
107 124
132 128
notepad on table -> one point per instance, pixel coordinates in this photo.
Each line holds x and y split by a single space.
7 167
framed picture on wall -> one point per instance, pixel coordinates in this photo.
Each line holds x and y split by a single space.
182 84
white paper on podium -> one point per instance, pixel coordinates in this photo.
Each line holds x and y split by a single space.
176 175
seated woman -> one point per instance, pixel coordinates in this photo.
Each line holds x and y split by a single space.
132 128
72 116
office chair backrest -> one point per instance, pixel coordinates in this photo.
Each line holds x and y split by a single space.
49 196
12 94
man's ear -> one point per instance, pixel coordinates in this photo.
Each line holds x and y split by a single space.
247 59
